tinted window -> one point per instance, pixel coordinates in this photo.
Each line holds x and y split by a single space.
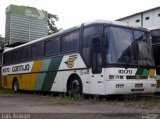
7 58
74 41
70 42
142 36
56 45
155 39
15 57
124 47
52 46
4 59
37 50
87 42
157 58
119 49
65 43
92 30
96 55
155 35
87 49
25 53
12 57
139 35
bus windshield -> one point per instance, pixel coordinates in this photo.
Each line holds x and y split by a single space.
127 46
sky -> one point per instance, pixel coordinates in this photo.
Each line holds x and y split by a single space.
75 12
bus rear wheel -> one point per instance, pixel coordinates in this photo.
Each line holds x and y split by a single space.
75 88
15 86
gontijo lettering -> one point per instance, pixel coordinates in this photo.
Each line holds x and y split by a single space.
6 70
20 68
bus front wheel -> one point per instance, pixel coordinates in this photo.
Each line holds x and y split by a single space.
15 86
75 87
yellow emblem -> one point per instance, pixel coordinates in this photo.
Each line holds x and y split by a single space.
70 61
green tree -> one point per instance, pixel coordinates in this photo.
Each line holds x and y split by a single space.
51 24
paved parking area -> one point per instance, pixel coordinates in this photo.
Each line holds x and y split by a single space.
38 106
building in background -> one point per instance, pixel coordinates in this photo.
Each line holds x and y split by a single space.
24 24
1 43
147 19
1 50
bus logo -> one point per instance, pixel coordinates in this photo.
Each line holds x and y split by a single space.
70 61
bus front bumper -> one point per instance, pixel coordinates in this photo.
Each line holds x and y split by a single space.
130 87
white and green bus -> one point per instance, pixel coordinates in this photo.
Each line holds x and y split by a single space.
99 58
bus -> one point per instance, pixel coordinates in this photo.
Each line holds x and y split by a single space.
155 34
97 58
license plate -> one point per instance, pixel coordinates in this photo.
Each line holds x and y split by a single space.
138 85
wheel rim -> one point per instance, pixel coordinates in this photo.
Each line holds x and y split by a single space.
16 86
75 88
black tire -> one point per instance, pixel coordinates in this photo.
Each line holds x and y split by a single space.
15 86
75 88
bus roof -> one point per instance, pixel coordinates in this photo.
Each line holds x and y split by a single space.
154 28
76 28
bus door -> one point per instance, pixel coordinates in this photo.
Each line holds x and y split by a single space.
97 74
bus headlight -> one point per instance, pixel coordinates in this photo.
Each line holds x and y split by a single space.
119 85
153 85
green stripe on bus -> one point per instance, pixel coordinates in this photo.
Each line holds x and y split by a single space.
145 72
50 76
139 71
142 71
41 76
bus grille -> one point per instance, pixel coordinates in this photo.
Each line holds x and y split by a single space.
136 77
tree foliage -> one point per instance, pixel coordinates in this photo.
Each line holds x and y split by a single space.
51 24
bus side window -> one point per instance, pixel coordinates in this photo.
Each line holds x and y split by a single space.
65 43
7 58
70 42
74 41
15 57
52 46
96 55
37 50
26 53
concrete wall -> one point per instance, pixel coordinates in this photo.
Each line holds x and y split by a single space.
147 19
